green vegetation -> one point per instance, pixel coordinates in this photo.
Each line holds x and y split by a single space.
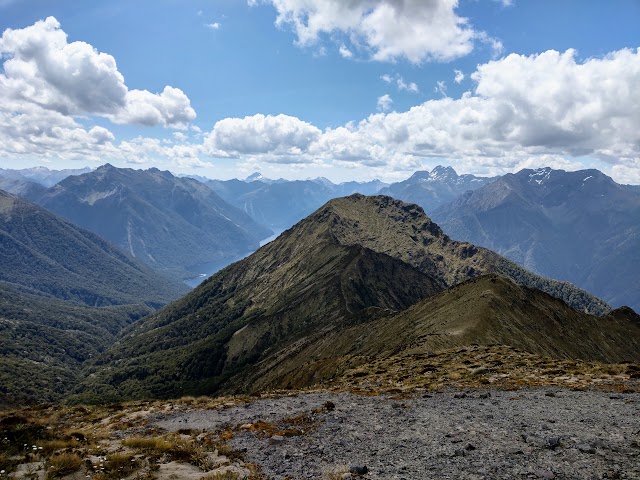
65 294
44 342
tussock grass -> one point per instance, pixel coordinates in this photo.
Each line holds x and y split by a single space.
63 464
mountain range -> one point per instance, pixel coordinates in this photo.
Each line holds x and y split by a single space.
281 203
360 275
580 227
172 224
42 175
431 189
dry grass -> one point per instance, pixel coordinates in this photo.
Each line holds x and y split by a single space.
336 472
153 445
120 465
63 464
481 367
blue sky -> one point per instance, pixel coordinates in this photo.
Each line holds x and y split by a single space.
342 93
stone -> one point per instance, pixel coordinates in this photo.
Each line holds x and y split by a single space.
276 440
552 443
544 474
586 448
358 469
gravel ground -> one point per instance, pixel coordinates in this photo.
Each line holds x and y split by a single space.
474 435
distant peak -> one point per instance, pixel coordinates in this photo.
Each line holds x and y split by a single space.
420 175
323 181
539 175
440 170
254 177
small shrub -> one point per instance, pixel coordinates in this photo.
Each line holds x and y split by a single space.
51 446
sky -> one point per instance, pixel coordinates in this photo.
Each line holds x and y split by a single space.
348 90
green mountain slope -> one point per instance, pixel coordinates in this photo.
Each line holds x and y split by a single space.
65 294
43 253
489 310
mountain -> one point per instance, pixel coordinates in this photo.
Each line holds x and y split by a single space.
282 203
42 175
43 254
580 227
352 262
172 224
434 188
64 296
22 187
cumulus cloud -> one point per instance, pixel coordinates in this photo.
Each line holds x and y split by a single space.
384 103
213 26
459 76
42 69
279 135
416 30
171 108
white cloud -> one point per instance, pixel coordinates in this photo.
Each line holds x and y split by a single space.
279 135
345 52
42 69
171 108
400 83
408 87
416 30
179 136
213 26
384 103
459 76
441 88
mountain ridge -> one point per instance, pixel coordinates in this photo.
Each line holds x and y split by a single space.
354 262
